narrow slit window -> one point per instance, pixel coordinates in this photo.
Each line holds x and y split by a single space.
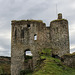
15 33
28 25
35 37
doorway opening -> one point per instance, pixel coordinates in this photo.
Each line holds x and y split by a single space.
28 55
28 59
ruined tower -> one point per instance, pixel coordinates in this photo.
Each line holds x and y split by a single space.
27 35
59 36
33 35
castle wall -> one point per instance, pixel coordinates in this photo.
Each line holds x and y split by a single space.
59 36
35 36
69 60
23 33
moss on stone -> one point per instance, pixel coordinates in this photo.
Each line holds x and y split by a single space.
69 55
46 52
58 20
40 21
52 66
28 57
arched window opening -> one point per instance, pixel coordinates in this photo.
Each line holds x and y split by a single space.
28 54
28 25
35 37
22 33
28 61
15 33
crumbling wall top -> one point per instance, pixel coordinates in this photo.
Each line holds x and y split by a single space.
25 21
59 18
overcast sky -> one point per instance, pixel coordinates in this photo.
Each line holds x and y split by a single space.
33 9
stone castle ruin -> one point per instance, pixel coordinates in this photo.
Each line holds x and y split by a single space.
33 35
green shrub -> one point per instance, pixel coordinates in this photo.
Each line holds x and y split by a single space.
28 57
23 72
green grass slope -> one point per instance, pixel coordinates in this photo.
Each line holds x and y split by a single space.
5 64
52 66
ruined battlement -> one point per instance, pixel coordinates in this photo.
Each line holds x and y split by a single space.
33 35
19 22
58 20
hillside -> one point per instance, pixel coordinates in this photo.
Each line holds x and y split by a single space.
51 66
47 65
5 63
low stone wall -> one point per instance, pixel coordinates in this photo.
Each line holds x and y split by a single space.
69 60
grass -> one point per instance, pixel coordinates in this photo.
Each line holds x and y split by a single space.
49 66
31 20
4 69
27 58
5 64
26 72
52 66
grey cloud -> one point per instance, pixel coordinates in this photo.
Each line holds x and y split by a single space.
72 50
32 9
5 53
72 39
5 43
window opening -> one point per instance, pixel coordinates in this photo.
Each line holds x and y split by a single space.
28 54
35 37
28 61
28 25
15 33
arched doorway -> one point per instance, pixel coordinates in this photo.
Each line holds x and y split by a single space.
28 59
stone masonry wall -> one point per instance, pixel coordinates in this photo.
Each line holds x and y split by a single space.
59 37
69 60
23 33
55 37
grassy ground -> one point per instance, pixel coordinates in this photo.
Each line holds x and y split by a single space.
52 66
48 66
4 69
5 66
